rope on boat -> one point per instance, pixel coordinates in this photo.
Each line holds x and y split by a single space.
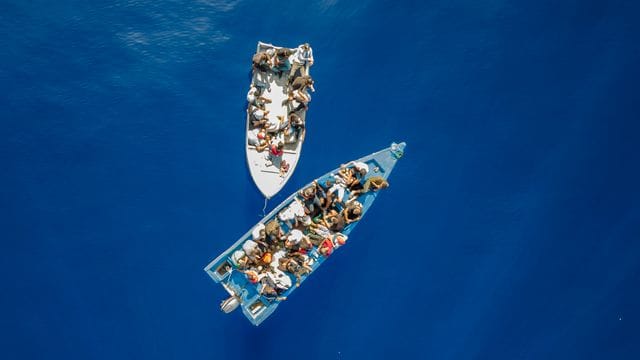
264 207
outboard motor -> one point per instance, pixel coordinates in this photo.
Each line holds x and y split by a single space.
230 304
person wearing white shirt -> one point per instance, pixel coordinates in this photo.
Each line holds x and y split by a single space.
302 58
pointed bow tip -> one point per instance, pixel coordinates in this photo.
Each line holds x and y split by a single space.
398 149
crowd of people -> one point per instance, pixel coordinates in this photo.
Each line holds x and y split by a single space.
272 133
310 227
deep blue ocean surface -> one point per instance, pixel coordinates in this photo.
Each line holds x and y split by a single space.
511 229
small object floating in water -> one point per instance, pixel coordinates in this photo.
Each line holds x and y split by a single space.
276 113
273 258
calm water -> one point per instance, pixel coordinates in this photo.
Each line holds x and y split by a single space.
510 231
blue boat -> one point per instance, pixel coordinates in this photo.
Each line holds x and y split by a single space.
259 278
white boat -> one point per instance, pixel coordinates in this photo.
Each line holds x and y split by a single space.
266 172
228 269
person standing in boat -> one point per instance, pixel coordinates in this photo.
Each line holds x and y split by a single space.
301 59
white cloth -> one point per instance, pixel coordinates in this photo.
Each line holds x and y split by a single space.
282 280
322 230
295 236
252 137
339 180
255 233
340 188
336 244
237 255
275 259
274 124
251 95
296 208
305 220
250 247
258 114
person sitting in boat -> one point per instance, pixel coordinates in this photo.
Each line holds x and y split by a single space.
284 168
334 221
318 232
293 239
330 243
298 96
339 239
326 247
310 198
289 214
243 262
352 212
302 220
272 284
341 181
294 131
301 59
273 232
304 246
297 124
264 144
281 61
258 116
275 154
261 61
297 242
270 293
240 259
277 150
266 258
361 168
373 183
255 96
291 266
258 233
252 249
256 136
276 125
302 83
252 276
350 176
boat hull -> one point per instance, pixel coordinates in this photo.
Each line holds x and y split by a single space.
264 172
223 270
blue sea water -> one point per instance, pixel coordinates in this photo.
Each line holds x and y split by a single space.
510 231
